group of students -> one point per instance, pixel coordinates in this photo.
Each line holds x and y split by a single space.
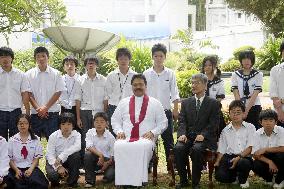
82 101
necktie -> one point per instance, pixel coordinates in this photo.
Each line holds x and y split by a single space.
198 105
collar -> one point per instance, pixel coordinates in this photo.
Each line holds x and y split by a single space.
12 70
117 71
275 131
164 70
104 135
61 136
47 69
96 77
282 65
17 138
230 126
201 98
75 76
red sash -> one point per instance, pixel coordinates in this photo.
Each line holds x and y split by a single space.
135 130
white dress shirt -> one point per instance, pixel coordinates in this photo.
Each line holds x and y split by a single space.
12 84
276 87
155 119
261 140
61 147
118 86
234 141
92 93
67 98
103 144
162 86
33 147
44 85
4 158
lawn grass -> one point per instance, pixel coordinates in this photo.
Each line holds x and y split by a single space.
163 177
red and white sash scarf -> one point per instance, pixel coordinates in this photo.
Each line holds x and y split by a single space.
135 130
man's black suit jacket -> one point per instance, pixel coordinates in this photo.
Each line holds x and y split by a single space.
204 122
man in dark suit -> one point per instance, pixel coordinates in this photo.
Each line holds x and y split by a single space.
198 122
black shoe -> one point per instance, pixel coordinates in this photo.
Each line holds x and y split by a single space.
182 185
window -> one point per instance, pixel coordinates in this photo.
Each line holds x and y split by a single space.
189 21
152 18
239 15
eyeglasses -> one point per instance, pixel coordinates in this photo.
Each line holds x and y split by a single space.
196 82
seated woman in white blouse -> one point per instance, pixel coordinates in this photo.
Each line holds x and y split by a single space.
24 151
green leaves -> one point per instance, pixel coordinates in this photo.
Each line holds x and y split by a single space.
23 15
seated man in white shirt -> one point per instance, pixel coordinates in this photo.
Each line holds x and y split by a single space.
234 148
62 153
137 122
4 161
268 149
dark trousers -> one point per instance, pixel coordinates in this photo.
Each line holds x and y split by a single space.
91 166
253 116
262 169
110 111
196 151
37 180
8 122
71 165
167 135
87 121
45 126
224 174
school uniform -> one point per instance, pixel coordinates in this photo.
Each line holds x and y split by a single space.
67 149
91 94
261 140
163 87
12 85
4 160
231 143
246 84
216 89
103 144
67 98
43 86
118 86
276 88
23 154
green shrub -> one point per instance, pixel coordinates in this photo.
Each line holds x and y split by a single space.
230 66
268 55
183 82
237 51
24 60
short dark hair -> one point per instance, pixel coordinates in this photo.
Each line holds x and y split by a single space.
247 54
67 117
27 117
139 76
41 50
237 103
268 114
7 51
159 47
91 59
70 58
102 115
123 52
281 48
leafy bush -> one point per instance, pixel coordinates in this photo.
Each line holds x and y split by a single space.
183 82
237 51
24 60
230 66
268 55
